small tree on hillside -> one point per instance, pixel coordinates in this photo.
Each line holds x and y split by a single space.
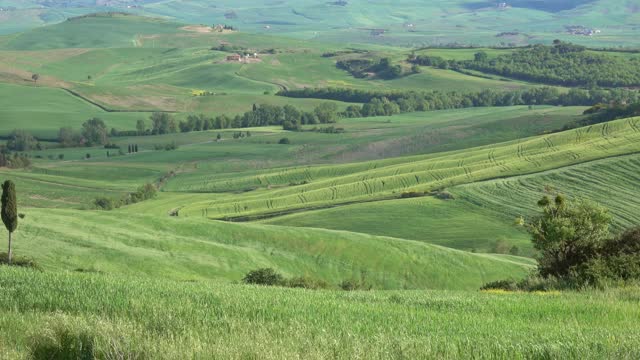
9 212
568 235
35 78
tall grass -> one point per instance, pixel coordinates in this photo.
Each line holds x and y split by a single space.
139 318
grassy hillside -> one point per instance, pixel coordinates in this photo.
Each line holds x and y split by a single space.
452 223
405 22
484 212
134 317
122 242
199 159
91 32
612 182
341 184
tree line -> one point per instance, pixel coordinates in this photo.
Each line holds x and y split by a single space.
561 64
385 103
381 68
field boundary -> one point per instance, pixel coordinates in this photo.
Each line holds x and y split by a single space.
106 109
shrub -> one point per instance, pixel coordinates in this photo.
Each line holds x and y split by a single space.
412 194
507 285
166 147
265 276
144 192
444 195
104 203
19 262
306 282
284 141
354 285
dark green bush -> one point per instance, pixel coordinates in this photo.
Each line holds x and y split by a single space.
412 194
104 203
284 141
507 285
266 276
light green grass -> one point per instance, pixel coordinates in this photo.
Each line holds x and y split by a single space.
163 319
379 180
123 242
450 223
611 182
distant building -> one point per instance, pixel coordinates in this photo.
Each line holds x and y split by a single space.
234 57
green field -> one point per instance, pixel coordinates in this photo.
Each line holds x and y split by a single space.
417 210
133 317
386 179
406 23
124 243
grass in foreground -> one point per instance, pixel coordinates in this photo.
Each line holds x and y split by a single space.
141 318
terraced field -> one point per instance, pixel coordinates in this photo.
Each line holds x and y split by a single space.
613 183
386 179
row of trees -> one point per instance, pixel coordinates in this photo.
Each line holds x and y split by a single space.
381 103
561 64
144 192
288 116
362 68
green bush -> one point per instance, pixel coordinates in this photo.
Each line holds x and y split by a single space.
412 194
354 285
284 141
306 282
507 285
104 203
266 276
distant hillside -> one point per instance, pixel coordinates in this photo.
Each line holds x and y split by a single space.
403 22
92 31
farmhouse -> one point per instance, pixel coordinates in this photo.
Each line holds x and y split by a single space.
234 57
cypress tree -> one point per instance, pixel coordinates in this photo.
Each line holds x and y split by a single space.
9 211
136 147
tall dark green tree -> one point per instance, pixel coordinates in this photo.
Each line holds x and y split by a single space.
9 212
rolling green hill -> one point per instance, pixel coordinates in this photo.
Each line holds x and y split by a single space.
160 247
417 211
325 186
405 22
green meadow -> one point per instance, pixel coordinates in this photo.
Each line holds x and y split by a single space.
135 317
417 210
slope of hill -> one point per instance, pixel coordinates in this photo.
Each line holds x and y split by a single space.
402 22
134 317
121 242
325 186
